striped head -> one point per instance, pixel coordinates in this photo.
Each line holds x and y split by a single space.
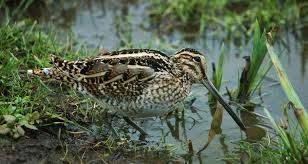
193 63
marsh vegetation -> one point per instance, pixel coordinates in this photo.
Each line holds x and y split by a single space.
267 87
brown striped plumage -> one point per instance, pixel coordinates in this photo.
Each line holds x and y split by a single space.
134 82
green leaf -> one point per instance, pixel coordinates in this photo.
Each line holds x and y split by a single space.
219 70
35 115
257 56
30 126
299 110
9 119
283 78
20 130
4 129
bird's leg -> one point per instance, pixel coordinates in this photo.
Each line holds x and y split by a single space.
114 131
134 125
189 101
188 104
111 126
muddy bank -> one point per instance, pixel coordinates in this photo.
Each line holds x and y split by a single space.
59 145
37 147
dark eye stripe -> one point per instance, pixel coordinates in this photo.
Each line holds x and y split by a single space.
197 59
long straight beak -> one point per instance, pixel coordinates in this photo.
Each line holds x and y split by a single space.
208 84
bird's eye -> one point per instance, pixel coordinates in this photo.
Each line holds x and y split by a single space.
197 59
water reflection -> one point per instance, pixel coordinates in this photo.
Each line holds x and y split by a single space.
176 125
304 39
254 132
304 53
113 24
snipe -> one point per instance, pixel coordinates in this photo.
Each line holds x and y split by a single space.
135 82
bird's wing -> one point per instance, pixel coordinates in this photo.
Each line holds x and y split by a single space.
126 75
157 60
118 79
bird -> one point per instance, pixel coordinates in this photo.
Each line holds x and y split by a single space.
135 83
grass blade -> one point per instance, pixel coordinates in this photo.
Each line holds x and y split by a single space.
216 110
252 74
217 78
287 87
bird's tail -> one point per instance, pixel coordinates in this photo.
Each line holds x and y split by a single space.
44 73
48 73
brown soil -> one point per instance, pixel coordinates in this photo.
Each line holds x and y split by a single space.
54 145
37 148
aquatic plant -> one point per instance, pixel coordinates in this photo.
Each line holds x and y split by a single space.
283 145
19 100
299 110
217 77
16 9
236 17
291 144
253 74
215 108
25 103
292 149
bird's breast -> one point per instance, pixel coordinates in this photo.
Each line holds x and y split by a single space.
159 97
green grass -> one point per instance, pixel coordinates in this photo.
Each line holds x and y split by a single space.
253 74
16 9
292 148
289 144
299 110
235 17
28 104
216 110
217 78
284 143
22 102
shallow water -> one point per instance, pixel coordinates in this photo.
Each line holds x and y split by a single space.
107 25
